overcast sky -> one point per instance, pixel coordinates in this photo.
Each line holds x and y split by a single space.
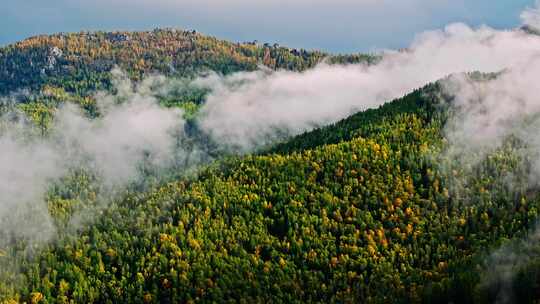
337 26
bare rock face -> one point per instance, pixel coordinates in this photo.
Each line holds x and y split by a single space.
56 52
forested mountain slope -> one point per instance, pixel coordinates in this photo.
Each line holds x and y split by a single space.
370 209
80 63
372 218
423 102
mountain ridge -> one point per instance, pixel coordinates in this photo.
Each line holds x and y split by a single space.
76 59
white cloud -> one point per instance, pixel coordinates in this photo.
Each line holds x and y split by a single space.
248 115
531 16
112 146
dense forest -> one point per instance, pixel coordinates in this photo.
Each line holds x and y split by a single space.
80 63
367 210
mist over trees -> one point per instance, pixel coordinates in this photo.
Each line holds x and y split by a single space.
168 166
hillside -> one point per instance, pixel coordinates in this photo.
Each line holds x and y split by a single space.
80 63
370 209
367 219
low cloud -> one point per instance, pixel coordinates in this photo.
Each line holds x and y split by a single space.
247 110
531 16
132 129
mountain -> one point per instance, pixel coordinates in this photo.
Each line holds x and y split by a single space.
81 62
365 210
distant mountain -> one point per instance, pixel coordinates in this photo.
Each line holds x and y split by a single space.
80 62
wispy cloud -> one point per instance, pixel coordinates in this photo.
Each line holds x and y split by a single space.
531 16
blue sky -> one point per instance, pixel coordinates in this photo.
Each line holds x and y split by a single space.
337 26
